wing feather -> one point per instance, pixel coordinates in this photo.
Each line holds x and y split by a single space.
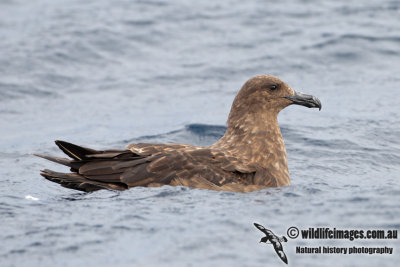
151 164
281 254
261 228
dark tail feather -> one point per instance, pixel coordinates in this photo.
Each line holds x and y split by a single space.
79 182
75 165
74 151
98 173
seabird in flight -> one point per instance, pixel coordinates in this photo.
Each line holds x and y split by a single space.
274 240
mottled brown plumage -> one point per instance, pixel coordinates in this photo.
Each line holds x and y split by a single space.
250 156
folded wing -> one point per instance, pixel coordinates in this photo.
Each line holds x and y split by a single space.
148 165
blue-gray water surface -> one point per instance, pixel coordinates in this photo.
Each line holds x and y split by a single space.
107 73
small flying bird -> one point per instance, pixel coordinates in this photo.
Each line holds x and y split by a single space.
274 240
250 156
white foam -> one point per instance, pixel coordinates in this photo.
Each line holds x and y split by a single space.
31 198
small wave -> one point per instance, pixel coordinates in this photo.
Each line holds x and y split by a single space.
10 91
36 244
350 38
358 199
291 195
196 134
140 23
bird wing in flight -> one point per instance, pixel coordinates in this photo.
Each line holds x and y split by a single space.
263 229
279 250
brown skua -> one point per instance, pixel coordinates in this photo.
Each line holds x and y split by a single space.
250 156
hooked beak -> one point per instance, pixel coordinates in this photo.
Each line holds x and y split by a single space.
305 100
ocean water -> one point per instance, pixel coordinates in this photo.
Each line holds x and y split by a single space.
107 73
